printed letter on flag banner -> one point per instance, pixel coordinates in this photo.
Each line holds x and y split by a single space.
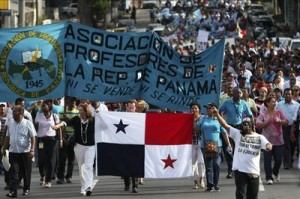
146 145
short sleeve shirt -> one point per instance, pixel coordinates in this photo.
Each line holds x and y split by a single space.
247 151
273 131
211 130
20 135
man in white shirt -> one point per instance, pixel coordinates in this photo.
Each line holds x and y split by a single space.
289 108
246 159
292 80
97 106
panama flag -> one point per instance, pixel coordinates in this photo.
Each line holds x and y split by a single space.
150 145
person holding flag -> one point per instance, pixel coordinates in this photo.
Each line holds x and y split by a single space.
84 149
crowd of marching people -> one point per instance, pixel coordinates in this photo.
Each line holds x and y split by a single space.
259 108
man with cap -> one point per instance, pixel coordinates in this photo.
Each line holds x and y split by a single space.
246 160
241 82
234 109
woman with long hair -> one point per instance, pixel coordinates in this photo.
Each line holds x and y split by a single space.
270 122
85 152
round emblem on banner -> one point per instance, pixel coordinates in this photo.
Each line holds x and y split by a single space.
31 64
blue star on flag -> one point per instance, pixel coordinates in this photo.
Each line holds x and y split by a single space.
121 126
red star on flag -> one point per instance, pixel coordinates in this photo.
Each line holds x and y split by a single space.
169 162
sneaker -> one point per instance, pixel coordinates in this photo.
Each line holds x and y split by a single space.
12 194
217 188
134 190
277 178
25 193
48 185
68 180
269 182
229 175
60 181
42 181
209 189
88 191
196 186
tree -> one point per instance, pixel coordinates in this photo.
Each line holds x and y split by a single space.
92 11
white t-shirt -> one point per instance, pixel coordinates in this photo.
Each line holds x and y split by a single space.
247 151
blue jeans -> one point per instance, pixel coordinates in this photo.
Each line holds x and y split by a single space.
212 166
277 154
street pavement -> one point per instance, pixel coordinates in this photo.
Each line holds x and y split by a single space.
111 187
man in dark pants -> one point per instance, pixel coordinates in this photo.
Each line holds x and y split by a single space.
66 153
289 108
246 160
20 139
131 107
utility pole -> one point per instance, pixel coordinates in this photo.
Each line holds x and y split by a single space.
37 12
21 20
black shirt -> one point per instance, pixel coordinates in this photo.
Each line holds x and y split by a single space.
84 133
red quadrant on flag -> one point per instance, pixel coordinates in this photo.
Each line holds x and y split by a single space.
168 129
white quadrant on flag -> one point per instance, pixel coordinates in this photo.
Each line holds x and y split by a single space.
120 128
169 161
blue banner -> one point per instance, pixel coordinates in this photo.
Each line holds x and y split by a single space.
71 59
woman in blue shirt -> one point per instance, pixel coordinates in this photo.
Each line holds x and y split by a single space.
211 130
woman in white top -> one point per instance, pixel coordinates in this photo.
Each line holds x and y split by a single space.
47 142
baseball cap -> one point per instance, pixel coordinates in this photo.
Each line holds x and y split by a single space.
241 77
247 119
3 103
277 89
210 105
